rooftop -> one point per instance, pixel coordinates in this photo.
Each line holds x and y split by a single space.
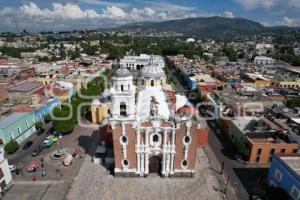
7 121
291 160
25 87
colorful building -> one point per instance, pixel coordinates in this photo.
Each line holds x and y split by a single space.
284 173
17 126
46 109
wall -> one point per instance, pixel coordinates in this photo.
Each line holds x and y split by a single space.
5 169
26 131
289 177
266 149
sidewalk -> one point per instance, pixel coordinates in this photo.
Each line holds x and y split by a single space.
222 178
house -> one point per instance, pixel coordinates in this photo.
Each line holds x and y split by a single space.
263 60
16 126
263 137
45 108
23 90
5 174
284 173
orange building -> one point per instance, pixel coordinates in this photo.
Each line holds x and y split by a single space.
261 150
263 137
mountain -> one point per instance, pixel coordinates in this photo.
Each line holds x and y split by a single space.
212 27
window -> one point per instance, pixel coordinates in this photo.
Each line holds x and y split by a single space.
278 175
257 159
122 88
187 140
152 83
155 138
259 151
295 193
27 124
125 163
123 109
184 164
19 131
123 140
282 151
295 150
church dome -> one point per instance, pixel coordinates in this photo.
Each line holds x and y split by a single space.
122 72
152 70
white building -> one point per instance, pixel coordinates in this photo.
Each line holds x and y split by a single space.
263 60
138 62
262 49
5 174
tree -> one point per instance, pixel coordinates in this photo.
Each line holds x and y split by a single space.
242 148
11 147
47 118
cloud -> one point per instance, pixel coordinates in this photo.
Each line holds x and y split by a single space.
253 4
229 14
114 12
288 21
72 16
281 5
105 3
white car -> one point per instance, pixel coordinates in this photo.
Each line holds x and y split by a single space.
12 167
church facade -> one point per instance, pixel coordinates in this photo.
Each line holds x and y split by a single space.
154 130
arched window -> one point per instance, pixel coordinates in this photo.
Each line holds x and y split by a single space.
152 83
123 109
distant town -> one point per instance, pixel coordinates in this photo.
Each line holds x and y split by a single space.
126 114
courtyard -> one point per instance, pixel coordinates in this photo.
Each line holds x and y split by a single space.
94 182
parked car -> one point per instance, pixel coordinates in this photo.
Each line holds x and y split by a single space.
37 150
47 143
27 145
12 167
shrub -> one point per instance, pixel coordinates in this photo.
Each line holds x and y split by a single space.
38 125
47 118
11 147
64 127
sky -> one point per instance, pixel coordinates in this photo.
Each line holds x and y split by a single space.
45 15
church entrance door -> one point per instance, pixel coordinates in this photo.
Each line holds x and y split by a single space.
155 165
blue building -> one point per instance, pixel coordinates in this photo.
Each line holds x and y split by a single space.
284 173
187 81
40 113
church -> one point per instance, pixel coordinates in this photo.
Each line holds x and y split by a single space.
153 129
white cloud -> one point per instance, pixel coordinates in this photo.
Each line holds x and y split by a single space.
72 16
288 21
229 14
253 4
281 5
294 4
114 12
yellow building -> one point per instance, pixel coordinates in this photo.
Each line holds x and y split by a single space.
285 83
100 111
46 79
262 84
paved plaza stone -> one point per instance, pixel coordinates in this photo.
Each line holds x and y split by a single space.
94 183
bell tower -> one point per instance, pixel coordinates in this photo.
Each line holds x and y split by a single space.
123 95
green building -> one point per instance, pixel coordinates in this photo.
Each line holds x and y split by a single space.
17 126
